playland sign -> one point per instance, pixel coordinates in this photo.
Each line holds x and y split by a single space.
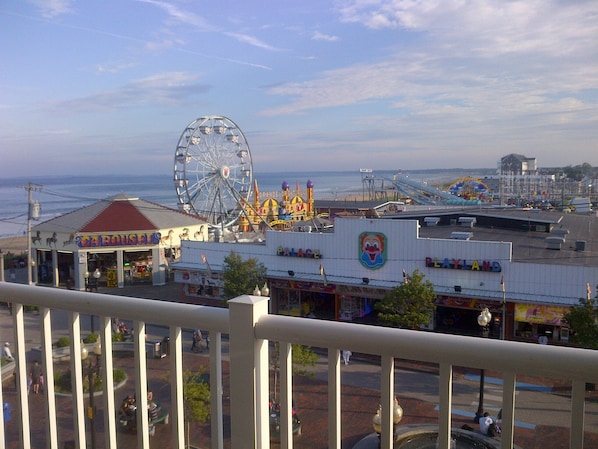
463 264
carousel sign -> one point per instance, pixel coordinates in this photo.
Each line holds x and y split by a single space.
103 240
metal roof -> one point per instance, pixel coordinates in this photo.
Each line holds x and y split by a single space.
119 213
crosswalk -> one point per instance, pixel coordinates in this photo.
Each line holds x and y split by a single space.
493 389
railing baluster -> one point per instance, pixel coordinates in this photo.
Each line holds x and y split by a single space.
19 325
387 394
334 398
107 367
578 406
48 370
77 381
141 387
176 376
445 390
216 390
508 410
286 393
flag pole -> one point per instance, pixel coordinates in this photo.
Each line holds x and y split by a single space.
504 308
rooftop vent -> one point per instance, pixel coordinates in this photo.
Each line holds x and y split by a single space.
461 235
562 233
554 242
431 221
468 222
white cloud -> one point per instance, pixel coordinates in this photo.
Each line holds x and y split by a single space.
180 16
317 36
53 8
251 40
165 88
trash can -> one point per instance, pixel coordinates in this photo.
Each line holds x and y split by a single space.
153 349
165 346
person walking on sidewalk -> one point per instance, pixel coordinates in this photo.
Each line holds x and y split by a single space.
35 373
6 353
346 356
197 338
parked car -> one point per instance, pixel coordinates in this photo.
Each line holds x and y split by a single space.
275 420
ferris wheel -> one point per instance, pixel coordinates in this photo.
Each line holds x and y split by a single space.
213 171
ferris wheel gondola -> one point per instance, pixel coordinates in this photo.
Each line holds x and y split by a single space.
213 170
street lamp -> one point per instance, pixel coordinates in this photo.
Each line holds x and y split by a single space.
92 370
96 275
397 416
483 320
265 290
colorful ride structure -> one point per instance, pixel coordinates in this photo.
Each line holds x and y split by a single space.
470 188
277 212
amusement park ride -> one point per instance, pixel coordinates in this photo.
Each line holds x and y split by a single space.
463 192
213 178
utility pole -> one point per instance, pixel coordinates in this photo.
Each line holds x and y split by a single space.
33 214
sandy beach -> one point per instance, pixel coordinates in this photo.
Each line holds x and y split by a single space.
15 245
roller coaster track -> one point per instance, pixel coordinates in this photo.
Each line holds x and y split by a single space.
419 193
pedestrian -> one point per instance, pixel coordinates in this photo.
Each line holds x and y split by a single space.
6 353
35 373
197 338
488 426
346 356
207 339
543 339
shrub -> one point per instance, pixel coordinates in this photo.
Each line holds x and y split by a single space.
91 338
63 342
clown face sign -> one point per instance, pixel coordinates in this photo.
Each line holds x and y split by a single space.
372 249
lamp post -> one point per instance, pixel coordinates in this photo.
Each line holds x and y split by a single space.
265 290
483 320
397 416
96 275
92 370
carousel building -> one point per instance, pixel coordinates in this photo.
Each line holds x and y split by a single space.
118 241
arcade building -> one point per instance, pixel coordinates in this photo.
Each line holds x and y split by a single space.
340 275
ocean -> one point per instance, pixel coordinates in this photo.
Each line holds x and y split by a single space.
58 195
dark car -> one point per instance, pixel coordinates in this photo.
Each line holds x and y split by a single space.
275 420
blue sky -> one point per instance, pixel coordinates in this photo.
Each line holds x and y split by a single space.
108 86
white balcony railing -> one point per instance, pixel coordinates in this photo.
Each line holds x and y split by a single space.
250 328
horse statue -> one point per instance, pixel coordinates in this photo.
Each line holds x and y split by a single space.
36 238
51 240
199 234
69 241
168 236
185 234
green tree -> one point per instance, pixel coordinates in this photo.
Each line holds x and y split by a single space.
241 276
583 320
409 305
196 398
303 358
